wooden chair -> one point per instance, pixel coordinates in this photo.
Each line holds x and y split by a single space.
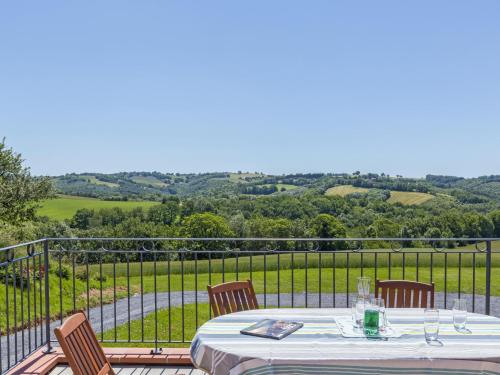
81 348
231 297
402 293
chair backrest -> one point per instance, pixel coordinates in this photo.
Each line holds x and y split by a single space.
231 297
402 293
81 348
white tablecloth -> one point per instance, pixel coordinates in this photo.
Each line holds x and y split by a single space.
319 348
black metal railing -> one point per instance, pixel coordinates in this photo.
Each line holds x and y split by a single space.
152 291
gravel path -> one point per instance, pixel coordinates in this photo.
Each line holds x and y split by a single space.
120 312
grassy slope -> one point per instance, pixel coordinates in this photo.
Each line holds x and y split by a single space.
94 180
149 180
403 197
409 198
65 206
343 190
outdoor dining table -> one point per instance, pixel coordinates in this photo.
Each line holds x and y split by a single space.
319 347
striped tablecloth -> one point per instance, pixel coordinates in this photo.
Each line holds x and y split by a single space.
319 348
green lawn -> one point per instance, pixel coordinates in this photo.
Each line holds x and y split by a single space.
260 262
65 206
169 326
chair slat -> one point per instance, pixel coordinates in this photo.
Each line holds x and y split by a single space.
244 302
220 304
237 300
232 297
232 301
225 303
392 296
416 297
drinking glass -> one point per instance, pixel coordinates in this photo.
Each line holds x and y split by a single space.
379 302
364 287
358 311
431 325
371 320
460 314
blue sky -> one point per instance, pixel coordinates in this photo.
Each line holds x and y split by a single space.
401 87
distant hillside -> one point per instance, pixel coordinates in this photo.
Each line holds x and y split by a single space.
482 193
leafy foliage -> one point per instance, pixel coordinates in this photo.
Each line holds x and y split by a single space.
20 193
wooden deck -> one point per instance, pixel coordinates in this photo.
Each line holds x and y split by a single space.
138 370
132 360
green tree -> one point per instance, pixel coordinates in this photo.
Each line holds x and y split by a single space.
81 219
495 219
385 228
165 213
205 225
328 226
477 226
20 193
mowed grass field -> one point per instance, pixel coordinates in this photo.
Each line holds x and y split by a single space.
403 197
409 197
65 206
343 190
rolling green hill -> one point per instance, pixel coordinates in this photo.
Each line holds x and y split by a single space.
481 193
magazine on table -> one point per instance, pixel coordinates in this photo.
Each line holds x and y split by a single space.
272 329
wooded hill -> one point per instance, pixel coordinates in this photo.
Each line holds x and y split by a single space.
482 192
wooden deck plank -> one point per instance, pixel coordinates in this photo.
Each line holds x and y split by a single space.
125 370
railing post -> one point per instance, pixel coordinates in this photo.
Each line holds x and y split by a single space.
488 278
47 295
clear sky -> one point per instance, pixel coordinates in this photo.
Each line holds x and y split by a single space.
401 87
